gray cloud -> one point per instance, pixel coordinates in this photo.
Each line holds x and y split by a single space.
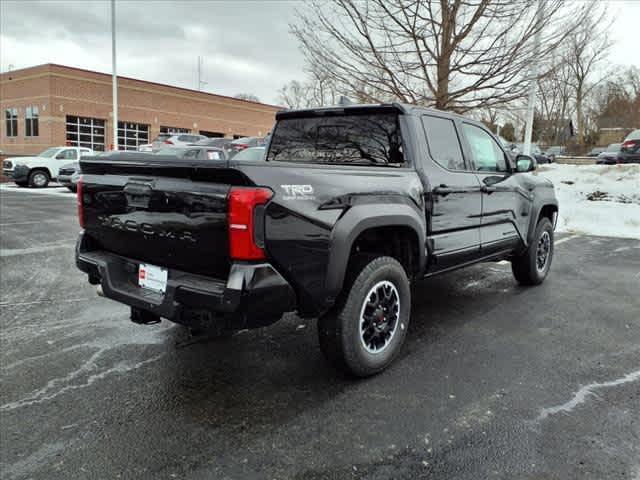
246 45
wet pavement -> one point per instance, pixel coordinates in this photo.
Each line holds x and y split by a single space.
495 380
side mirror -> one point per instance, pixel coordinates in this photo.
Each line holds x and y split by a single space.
525 163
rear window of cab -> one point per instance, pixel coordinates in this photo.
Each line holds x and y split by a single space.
363 139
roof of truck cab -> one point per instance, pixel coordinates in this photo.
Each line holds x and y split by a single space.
362 108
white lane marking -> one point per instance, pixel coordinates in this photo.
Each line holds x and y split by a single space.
47 300
565 239
581 395
11 252
54 191
10 224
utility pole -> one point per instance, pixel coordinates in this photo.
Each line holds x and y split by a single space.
200 81
532 82
114 80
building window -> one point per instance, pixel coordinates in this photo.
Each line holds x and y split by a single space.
173 130
11 115
31 121
132 135
211 134
85 132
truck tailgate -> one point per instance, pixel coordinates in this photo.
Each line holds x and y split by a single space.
163 220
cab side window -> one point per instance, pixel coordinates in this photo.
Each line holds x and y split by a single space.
443 141
487 155
68 155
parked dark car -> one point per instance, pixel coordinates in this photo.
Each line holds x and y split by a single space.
594 152
540 157
555 151
351 207
68 175
608 157
630 149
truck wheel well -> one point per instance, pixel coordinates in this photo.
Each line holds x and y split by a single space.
548 211
40 169
399 242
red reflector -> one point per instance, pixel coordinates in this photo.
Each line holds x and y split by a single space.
242 202
79 200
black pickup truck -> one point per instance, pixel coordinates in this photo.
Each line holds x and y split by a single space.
349 207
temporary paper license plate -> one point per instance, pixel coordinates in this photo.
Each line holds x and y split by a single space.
152 277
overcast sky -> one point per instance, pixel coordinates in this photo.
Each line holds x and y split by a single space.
246 45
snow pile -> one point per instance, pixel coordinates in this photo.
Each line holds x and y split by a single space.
597 199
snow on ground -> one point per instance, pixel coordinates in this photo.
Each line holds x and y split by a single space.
597 199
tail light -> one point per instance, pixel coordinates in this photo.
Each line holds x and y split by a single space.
168 142
629 144
241 146
79 200
246 227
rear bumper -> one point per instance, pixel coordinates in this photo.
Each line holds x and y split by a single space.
253 295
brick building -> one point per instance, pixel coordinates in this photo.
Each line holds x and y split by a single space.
50 105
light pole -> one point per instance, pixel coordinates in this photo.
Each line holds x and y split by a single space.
532 82
114 81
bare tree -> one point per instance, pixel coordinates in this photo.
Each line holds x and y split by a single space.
452 54
589 45
295 94
247 96
317 91
555 101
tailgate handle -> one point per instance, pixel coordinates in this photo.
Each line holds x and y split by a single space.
138 194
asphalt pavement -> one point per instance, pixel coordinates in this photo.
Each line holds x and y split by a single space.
495 380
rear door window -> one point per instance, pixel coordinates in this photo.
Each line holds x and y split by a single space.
366 139
444 144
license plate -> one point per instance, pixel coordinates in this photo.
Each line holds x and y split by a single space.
152 277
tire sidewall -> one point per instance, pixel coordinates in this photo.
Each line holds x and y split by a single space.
543 225
32 177
361 361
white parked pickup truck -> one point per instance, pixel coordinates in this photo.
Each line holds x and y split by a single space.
39 170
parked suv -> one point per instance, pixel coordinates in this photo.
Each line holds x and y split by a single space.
349 208
39 170
177 140
630 149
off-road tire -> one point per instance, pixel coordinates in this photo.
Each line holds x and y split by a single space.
339 331
525 267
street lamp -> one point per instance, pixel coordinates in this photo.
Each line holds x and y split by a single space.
114 81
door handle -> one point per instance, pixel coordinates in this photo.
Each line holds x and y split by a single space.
442 190
488 189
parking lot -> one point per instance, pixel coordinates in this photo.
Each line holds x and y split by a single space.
495 380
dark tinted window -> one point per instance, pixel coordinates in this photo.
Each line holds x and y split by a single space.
443 142
371 139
